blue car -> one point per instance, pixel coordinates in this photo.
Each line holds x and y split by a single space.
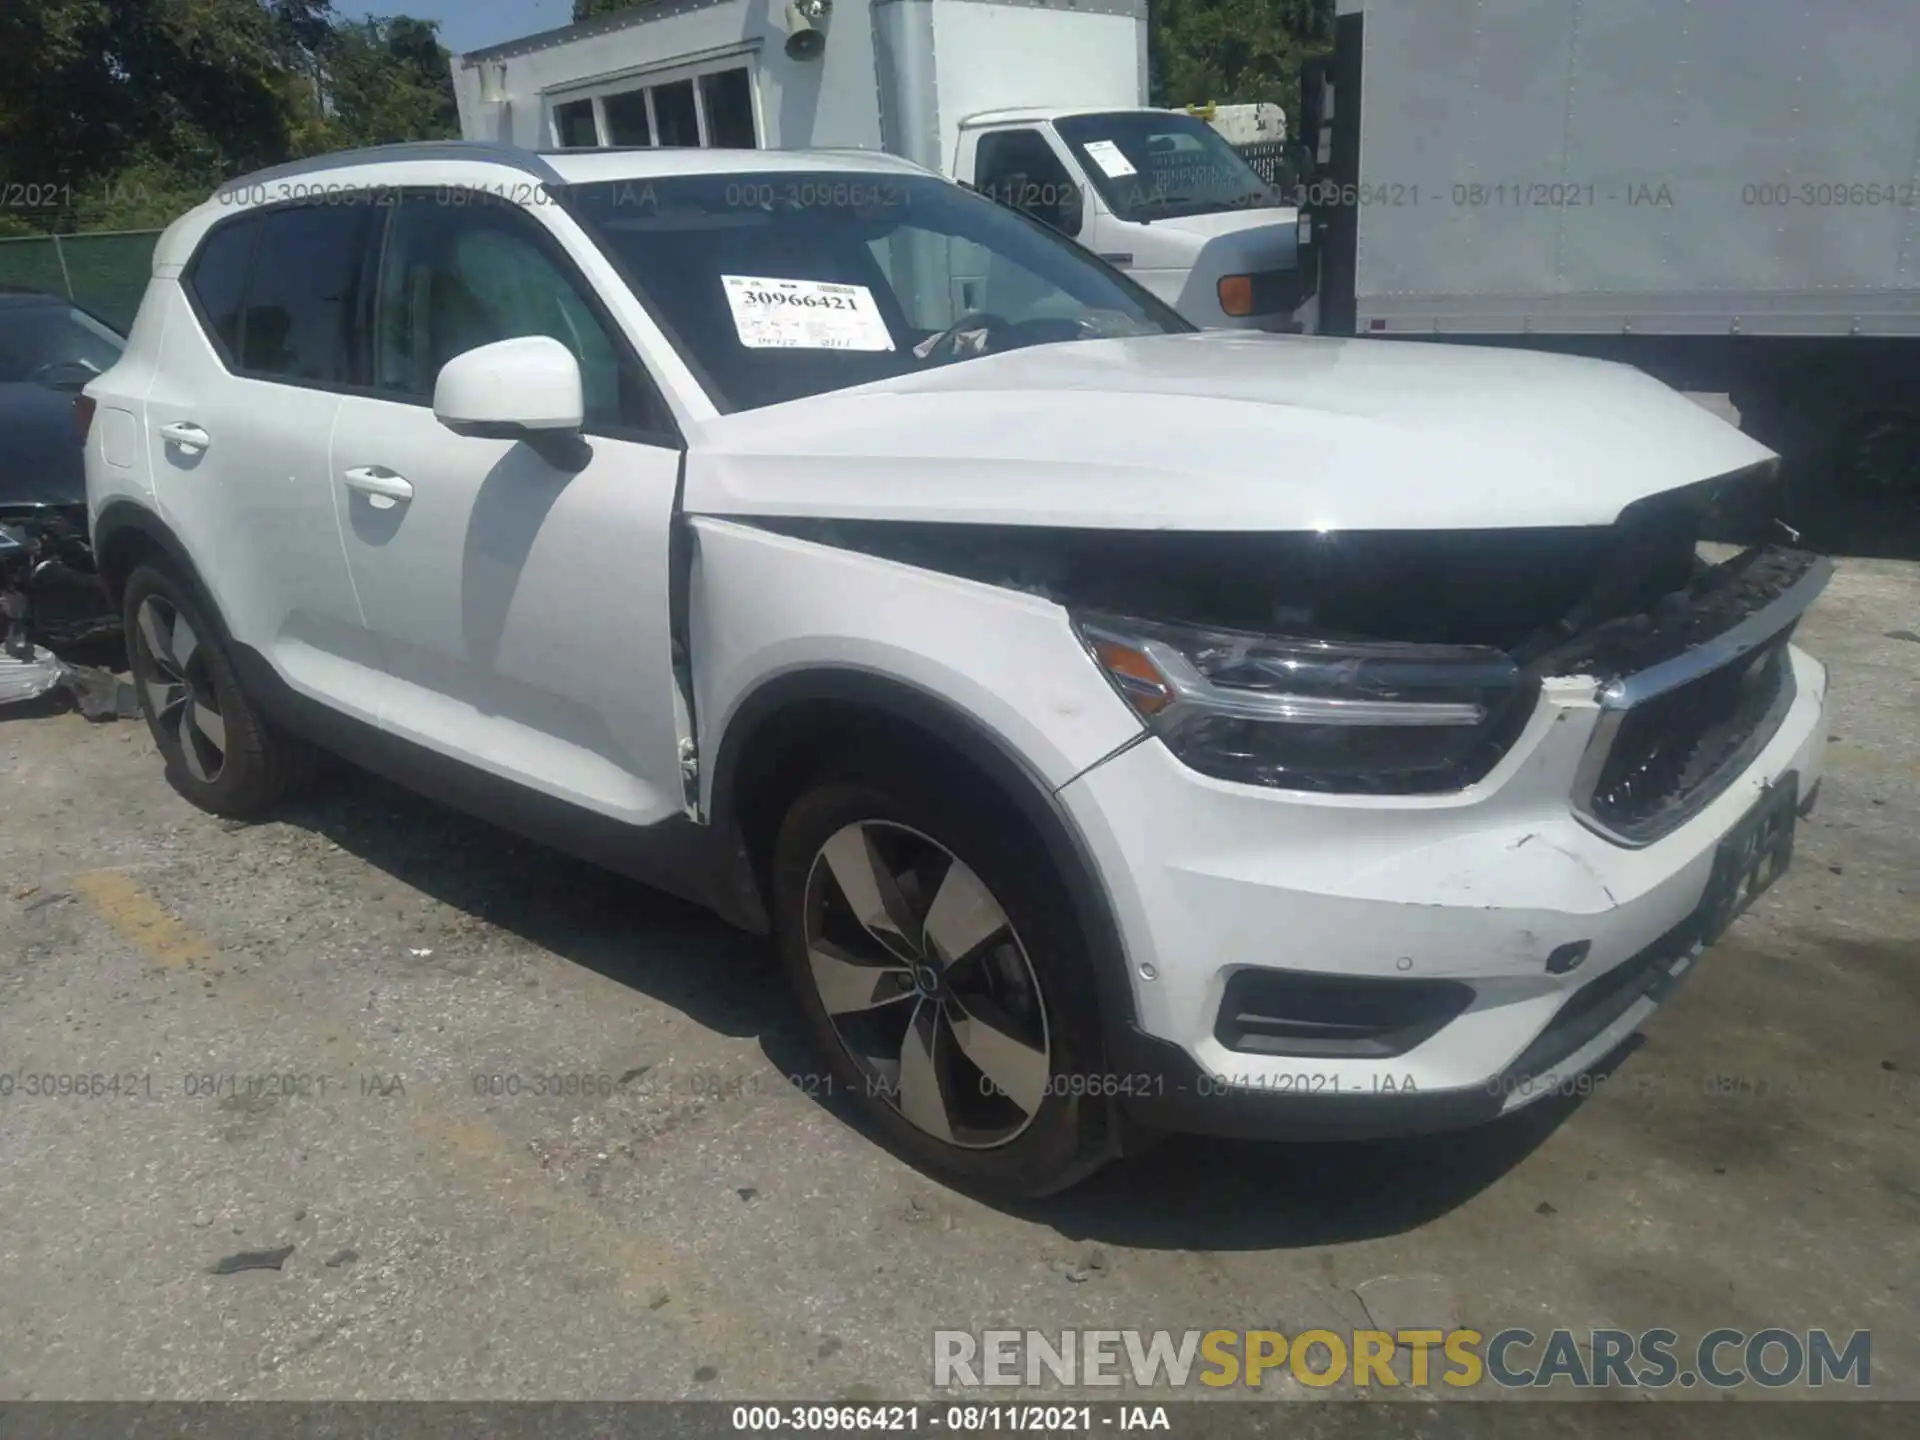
49 349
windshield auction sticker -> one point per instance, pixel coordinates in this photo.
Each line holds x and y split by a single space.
804 315
1107 156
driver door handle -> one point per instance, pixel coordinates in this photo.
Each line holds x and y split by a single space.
380 484
1118 257
186 434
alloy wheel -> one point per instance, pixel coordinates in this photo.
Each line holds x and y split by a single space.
926 984
179 691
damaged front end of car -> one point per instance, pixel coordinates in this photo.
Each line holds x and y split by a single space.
52 599
50 588
1407 663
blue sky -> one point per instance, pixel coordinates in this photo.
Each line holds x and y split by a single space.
469 24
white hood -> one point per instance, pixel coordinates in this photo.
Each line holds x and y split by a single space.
1218 431
1231 222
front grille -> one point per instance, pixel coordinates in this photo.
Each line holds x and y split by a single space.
1667 757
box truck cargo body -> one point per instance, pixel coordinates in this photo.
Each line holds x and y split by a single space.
1039 104
1727 194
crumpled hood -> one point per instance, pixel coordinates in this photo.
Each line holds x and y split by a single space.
1223 431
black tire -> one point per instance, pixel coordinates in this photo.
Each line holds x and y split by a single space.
258 766
1847 433
1069 1135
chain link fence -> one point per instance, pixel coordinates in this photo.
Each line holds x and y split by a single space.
105 271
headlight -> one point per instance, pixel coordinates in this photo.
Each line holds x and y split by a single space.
1330 716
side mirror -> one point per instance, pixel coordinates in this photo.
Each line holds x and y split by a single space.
521 389
70 376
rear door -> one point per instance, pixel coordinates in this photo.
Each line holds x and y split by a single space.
239 420
522 608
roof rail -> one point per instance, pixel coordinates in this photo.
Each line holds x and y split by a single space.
487 150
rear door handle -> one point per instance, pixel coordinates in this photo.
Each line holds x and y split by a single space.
1118 257
380 485
186 435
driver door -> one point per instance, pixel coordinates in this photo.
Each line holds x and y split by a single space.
521 608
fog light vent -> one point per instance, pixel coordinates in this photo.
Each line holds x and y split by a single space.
1568 957
1285 1012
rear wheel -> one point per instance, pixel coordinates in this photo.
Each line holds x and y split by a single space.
219 751
944 981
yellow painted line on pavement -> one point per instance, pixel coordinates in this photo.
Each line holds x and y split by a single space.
152 929
648 1276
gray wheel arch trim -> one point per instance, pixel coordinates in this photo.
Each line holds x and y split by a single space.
990 752
120 517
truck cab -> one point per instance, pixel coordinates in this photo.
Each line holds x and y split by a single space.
1159 194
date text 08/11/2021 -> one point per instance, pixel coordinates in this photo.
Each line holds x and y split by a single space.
958 1419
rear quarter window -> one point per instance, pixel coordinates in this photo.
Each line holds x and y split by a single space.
301 290
217 280
278 290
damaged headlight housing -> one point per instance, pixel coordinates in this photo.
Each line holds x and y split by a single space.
1338 717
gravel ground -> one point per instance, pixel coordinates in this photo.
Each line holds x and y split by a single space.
532 1135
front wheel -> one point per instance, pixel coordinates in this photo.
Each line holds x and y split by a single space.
944 981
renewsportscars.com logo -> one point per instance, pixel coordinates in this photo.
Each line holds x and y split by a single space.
1511 1359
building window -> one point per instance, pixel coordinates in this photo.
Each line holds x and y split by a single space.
674 112
573 127
627 120
727 98
713 109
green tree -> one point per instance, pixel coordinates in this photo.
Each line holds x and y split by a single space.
1235 51
386 80
125 112
92 87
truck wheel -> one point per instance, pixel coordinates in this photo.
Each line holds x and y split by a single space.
944 980
1878 455
219 751
1848 433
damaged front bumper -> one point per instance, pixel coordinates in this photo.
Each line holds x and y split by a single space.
52 595
50 589
1318 965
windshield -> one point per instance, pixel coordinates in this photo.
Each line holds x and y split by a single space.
780 284
1155 165
39 342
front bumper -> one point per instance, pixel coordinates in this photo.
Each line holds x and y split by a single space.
1492 889
50 588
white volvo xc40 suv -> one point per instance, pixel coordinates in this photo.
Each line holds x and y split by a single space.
1117 728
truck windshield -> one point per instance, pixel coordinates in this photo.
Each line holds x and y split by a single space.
779 284
1158 165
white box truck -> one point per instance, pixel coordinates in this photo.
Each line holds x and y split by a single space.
1725 194
1040 104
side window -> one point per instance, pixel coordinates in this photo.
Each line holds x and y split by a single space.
727 97
1019 169
675 114
217 280
301 288
627 118
456 277
573 127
